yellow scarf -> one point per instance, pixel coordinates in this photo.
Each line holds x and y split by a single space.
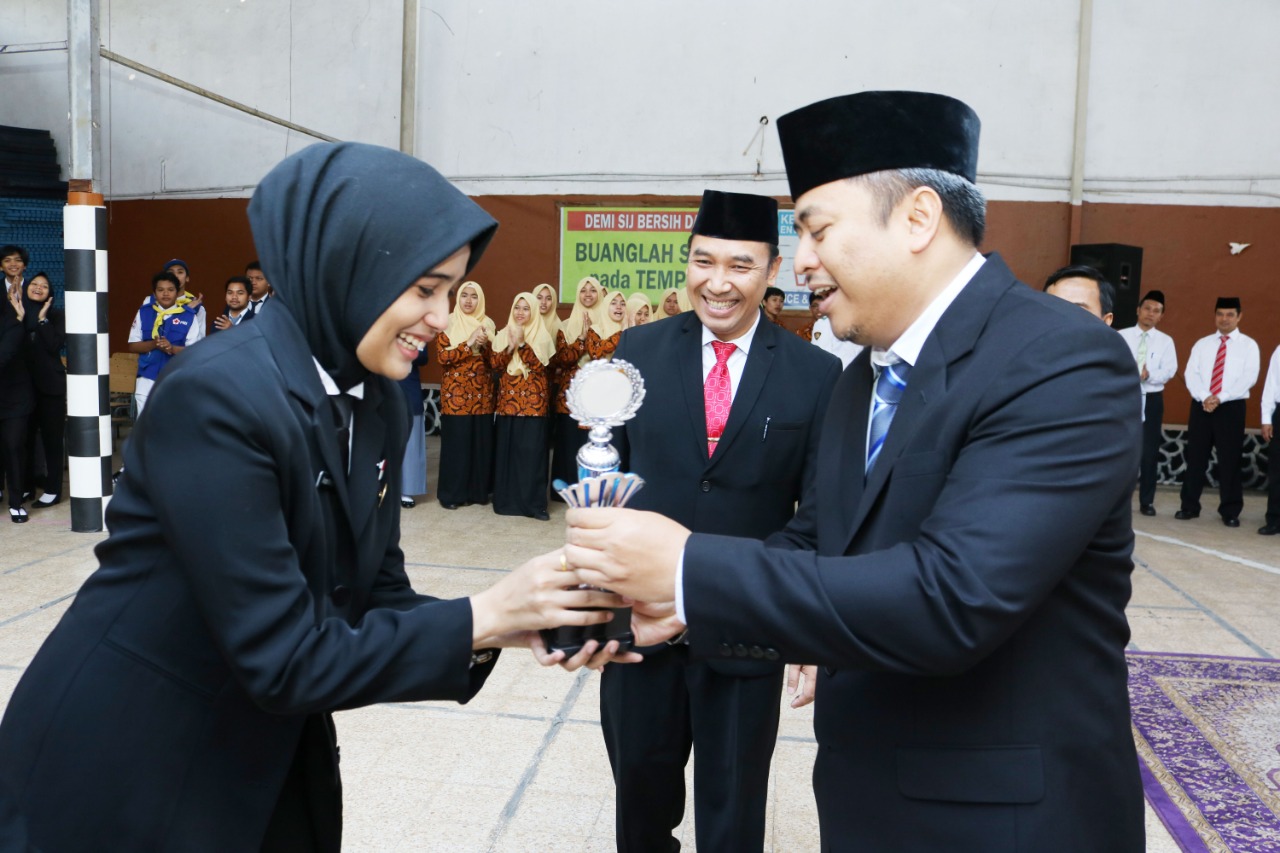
606 326
551 319
635 302
535 335
461 325
163 314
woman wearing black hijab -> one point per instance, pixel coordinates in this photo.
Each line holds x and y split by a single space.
46 332
183 701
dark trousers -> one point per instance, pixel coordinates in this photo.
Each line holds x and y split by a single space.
1273 470
466 459
1223 429
13 451
652 713
48 422
1152 438
520 466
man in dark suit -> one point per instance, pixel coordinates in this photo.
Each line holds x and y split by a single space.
735 465
962 564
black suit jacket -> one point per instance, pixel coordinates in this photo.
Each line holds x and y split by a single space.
164 710
751 485
968 599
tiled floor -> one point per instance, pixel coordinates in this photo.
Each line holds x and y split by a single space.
523 768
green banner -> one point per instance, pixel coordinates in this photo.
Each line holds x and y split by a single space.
632 249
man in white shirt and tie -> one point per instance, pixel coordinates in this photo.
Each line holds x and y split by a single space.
1270 415
1157 363
1221 370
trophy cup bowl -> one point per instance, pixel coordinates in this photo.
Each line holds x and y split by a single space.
603 394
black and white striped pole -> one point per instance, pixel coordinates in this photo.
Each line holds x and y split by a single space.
84 229
84 234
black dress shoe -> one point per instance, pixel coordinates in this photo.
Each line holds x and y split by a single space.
18 516
1183 515
1269 529
407 502
1231 522
47 500
448 506
542 516
1148 510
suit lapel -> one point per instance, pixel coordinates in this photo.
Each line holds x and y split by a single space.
759 360
368 468
853 395
924 385
298 370
952 339
688 356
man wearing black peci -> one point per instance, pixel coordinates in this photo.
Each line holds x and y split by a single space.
726 441
961 566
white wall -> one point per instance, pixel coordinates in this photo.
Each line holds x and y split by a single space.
663 96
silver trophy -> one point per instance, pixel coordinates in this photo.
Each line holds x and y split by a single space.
603 394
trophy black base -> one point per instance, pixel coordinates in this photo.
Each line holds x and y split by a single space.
571 638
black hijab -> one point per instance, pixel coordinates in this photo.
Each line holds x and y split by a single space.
343 229
31 308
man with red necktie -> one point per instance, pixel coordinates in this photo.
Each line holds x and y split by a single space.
1221 370
726 440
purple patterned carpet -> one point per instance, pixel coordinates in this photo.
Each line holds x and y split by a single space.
1208 736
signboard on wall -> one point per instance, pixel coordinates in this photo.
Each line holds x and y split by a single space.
645 250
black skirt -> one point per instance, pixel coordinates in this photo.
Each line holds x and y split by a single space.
520 466
568 439
466 459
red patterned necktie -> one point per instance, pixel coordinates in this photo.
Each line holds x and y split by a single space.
717 394
1219 366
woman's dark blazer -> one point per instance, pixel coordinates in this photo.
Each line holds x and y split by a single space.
44 354
17 396
165 709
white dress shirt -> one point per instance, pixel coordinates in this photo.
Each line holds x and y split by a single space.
737 362
331 388
1162 358
1271 390
1238 376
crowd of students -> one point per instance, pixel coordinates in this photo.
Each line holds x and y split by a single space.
502 394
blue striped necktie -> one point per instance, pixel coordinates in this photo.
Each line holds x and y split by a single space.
890 384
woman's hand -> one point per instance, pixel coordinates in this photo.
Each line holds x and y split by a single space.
543 593
516 333
478 338
586 327
44 309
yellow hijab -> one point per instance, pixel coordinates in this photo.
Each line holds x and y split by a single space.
606 326
682 296
660 311
634 303
572 325
551 319
461 326
535 335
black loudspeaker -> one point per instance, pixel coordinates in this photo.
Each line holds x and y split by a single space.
1122 266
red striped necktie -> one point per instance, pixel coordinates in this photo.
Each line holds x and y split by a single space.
1219 367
